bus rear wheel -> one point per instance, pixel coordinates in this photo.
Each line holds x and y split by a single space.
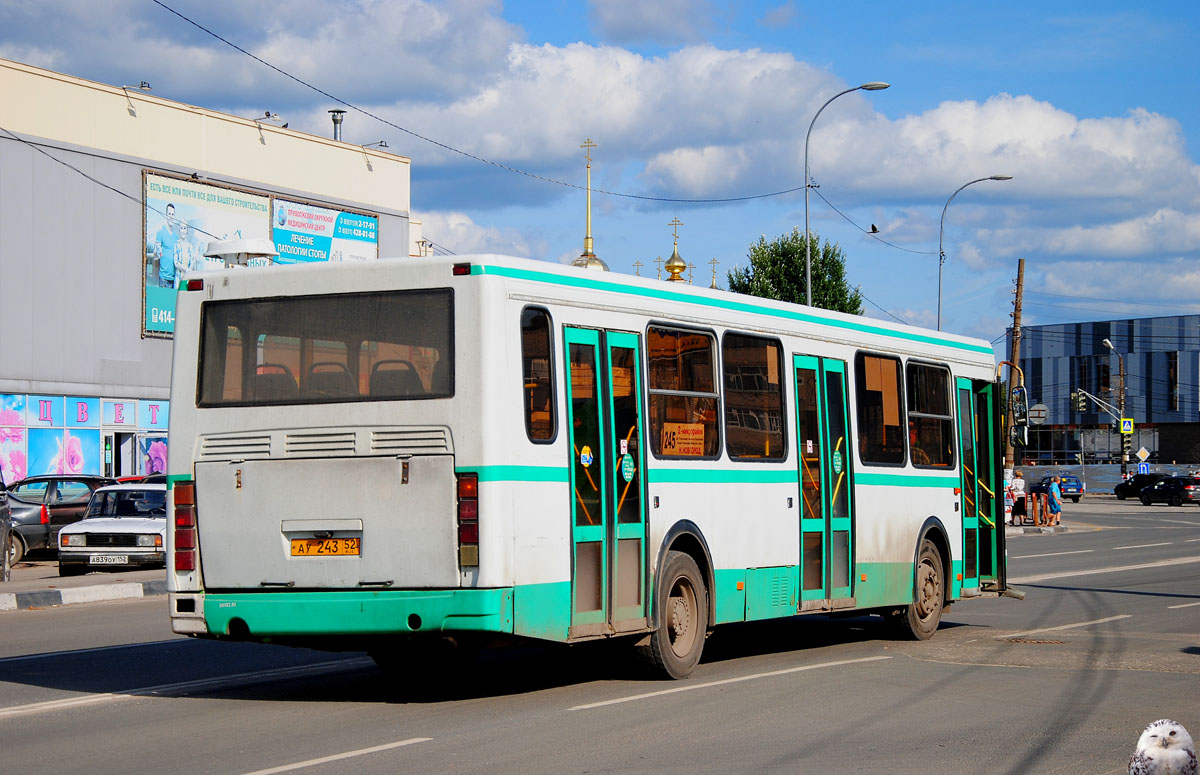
677 641
919 620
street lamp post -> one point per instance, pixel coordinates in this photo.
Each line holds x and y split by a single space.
1121 404
869 86
942 234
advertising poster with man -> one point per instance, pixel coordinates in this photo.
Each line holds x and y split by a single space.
181 218
305 233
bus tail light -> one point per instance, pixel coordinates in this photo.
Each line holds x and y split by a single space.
468 519
460 270
185 526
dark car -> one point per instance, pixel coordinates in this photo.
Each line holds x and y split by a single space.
42 505
1070 486
5 530
1132 487
1175 490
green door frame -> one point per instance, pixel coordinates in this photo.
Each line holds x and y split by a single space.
968 483
826 564
608 513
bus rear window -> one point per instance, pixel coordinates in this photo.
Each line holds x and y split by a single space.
318 349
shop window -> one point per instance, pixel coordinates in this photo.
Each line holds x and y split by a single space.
751 366
683 396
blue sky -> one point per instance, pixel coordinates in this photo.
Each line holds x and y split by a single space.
1092 107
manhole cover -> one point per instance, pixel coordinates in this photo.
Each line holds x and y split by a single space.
1036 642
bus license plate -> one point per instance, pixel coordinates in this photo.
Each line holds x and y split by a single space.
109 559
326 547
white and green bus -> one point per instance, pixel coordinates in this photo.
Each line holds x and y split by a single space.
377 455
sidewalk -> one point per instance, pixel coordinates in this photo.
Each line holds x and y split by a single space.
36 584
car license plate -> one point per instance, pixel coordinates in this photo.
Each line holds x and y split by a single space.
109 559
326 547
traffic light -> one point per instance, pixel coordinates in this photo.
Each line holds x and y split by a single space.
1079 401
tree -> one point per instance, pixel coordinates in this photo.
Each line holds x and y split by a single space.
776 271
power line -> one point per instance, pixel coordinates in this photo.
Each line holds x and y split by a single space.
877 238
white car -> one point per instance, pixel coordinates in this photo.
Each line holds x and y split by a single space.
124 526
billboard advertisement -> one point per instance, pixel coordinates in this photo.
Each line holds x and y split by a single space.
181 218
306 232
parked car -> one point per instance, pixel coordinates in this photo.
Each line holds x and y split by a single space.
1175 490
1132 487
125 526
5 531
43 505
1070 486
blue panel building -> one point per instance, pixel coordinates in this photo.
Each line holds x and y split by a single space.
1161 360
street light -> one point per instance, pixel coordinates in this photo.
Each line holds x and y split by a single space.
869 86
1121 406
942 233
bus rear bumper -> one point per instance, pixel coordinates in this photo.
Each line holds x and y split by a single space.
367 612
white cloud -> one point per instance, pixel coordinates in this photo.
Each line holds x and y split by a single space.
458 232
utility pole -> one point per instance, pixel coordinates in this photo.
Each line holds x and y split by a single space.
1014 356
1126 438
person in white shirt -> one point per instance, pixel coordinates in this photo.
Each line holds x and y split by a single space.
1017 488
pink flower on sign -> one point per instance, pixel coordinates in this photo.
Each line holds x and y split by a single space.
11 417
12 465
156 458
14 435
69 459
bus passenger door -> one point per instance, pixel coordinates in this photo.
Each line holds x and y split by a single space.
969 497
987 445
608 521
826 505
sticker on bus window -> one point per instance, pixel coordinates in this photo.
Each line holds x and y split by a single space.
627 467
808 446
585 456
624 446
683 438
837 462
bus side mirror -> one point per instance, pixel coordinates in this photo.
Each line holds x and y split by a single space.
1018 435
1020 406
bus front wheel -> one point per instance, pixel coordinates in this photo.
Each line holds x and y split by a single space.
919 620
678 638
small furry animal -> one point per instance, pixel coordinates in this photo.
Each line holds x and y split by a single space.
1165 748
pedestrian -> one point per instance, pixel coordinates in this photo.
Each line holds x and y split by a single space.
1018 498
1054 502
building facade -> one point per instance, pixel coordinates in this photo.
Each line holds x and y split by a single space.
109 197
1160 359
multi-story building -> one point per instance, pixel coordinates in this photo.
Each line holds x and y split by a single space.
1160 360
109 195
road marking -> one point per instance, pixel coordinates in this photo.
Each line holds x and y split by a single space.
1182 522
1191 540
1062 627
1094 571
722 682
339 756
1183 605
1141 546
61 654
1051 554
257 676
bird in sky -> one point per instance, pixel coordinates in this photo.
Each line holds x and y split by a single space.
1165 748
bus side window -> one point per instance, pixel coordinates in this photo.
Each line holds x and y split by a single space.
880 409
536 373
683 393
753 397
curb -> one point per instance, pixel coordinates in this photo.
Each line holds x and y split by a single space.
44 598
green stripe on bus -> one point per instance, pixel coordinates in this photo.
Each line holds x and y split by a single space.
721 476
905 480
517 473
731 304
